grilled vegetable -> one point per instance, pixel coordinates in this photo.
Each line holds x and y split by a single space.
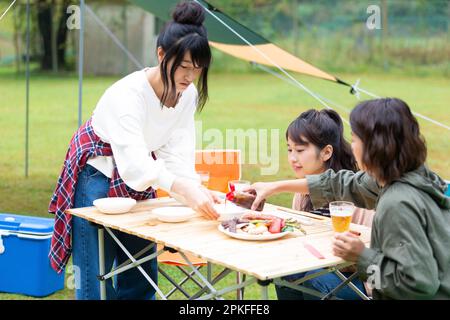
296 225
257 223
287 229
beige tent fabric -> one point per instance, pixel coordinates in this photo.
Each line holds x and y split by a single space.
282 58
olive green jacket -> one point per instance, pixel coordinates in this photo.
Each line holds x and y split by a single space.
410 241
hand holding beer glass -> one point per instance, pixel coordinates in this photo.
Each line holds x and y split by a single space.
341 215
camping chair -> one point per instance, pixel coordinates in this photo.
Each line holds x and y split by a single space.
447 193
223 166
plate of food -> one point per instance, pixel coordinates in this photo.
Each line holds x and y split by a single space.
257 226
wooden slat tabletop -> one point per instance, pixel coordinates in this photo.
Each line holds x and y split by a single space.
201 237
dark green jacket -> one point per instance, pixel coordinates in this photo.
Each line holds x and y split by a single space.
410 242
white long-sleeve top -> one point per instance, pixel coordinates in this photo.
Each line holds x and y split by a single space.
129 117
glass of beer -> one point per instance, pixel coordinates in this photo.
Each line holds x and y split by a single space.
204 178
341 215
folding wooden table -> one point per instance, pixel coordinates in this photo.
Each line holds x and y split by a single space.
262 262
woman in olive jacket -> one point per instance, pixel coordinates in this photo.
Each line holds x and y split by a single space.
409 256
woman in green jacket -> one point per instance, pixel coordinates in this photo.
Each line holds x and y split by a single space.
409 255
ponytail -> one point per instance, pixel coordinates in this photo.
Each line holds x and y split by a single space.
343 158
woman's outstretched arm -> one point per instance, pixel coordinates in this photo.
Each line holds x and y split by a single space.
359 188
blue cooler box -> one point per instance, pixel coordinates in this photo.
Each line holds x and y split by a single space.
24 263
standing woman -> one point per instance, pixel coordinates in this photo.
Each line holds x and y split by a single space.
140 137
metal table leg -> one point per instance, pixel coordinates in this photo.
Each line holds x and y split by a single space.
264 288
101 261
264 292
139 267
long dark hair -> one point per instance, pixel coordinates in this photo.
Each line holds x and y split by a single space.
392 143
185 33
322 128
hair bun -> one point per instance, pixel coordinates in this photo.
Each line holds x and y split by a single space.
189 12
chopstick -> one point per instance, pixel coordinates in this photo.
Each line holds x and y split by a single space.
356 233
313 251
301 213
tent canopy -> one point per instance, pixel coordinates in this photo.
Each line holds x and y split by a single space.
223 39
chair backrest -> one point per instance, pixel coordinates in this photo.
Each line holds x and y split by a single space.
222 166
175 259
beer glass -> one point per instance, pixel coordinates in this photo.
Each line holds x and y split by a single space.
341 215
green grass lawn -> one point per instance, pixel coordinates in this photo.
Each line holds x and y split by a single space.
246 101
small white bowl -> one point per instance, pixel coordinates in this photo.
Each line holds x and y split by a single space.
174 213
114 205
228 211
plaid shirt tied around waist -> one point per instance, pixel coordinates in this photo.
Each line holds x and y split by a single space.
85 144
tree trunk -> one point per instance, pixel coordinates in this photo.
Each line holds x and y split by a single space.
44 18
53 38
61 38
46 27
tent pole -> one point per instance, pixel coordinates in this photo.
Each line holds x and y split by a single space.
80 63
27 94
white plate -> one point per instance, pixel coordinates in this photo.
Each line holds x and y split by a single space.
114 205
253 237
228 211
174 213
